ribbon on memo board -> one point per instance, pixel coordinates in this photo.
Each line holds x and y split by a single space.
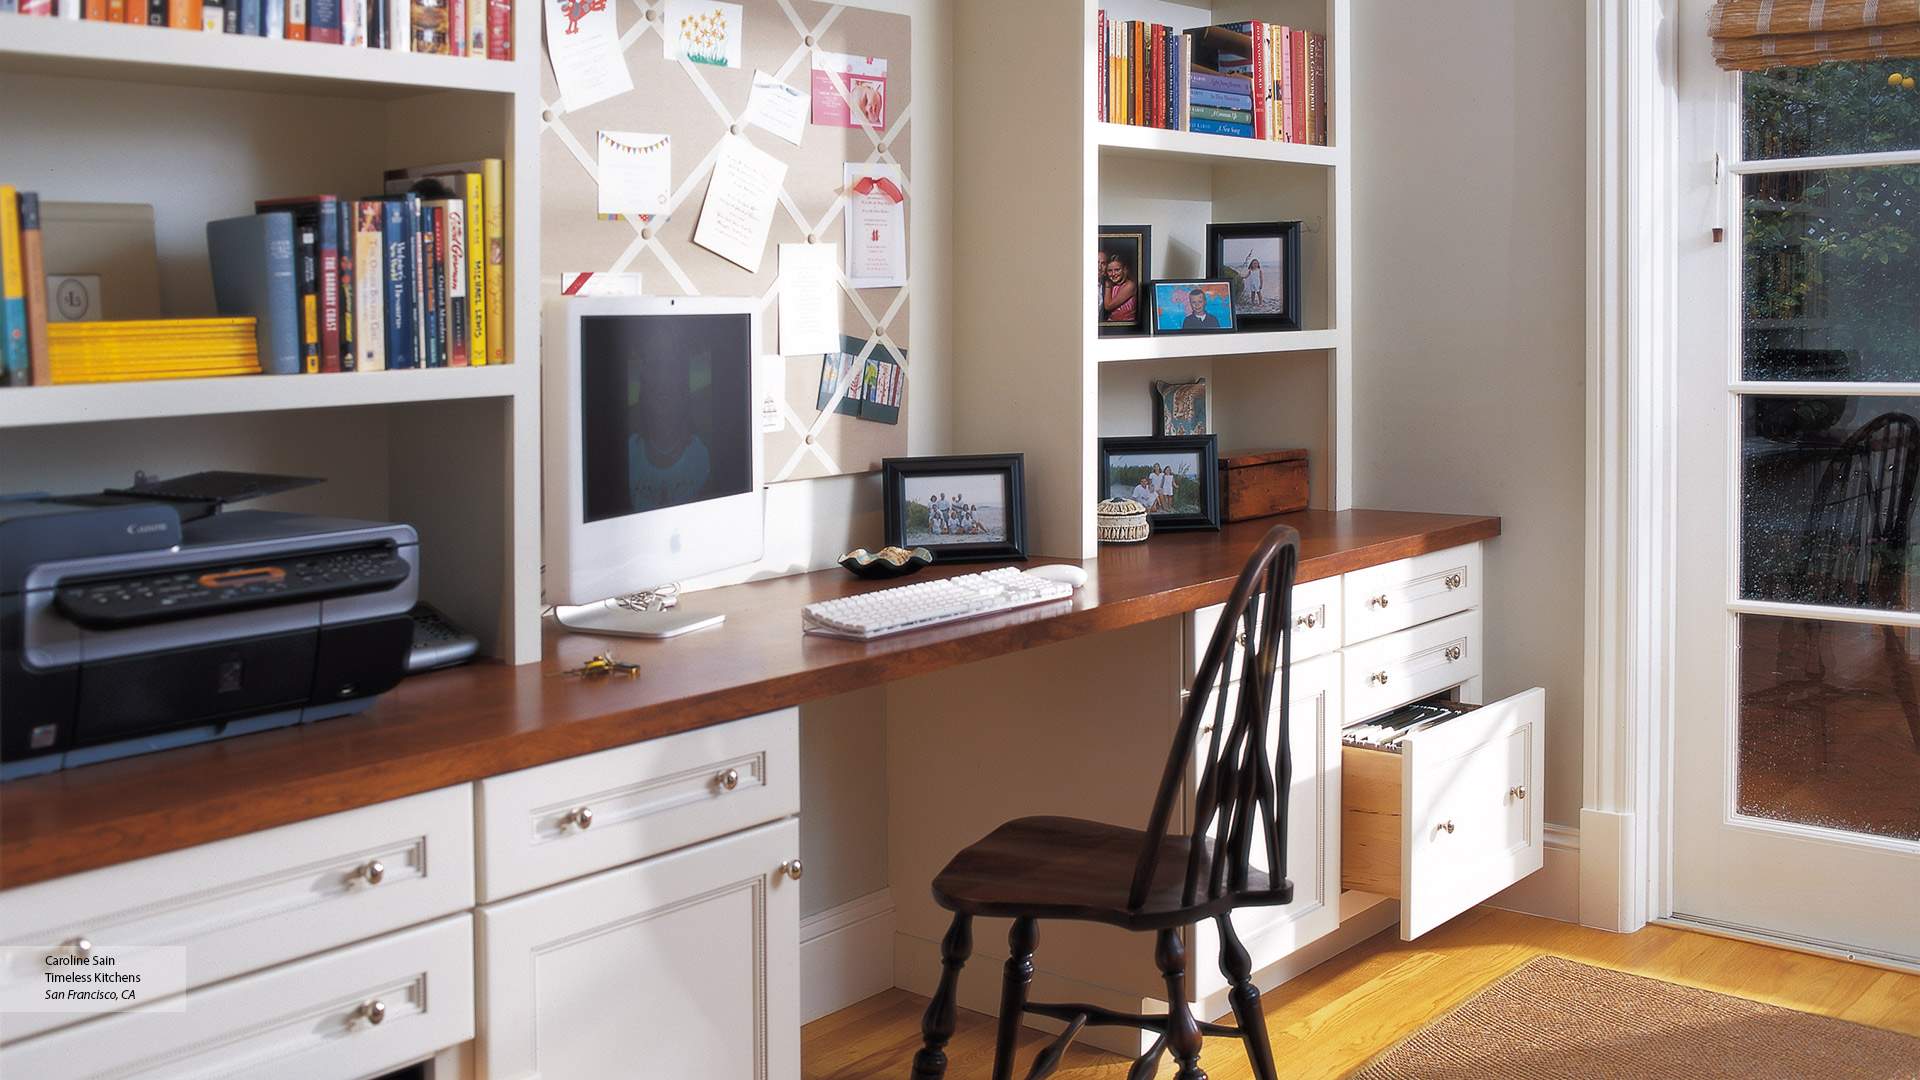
697 105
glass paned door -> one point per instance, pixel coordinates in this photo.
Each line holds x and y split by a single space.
1796 771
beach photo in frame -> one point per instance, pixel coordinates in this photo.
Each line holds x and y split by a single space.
1175 477
1261 260
1192 306
962 508
1122 266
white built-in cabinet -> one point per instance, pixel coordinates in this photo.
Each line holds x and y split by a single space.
200 125
1037 176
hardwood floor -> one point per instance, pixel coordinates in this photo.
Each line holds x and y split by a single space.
1329 1021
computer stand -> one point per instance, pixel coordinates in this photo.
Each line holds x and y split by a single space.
608 617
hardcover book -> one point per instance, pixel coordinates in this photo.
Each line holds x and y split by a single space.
253 274
370 285
15 366
323 21
343 228
396 220
320 214
33 265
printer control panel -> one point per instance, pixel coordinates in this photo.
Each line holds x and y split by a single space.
115 603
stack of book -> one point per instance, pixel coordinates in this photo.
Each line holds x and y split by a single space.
1253 80
23 291
413 277
480 28
84 352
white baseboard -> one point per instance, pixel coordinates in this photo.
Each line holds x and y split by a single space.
1553 891
1608 879
846 954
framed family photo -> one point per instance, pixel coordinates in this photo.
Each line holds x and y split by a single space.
1175 477
1261 262
962 508
1192 306
1122 265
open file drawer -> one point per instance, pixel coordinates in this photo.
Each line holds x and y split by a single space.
1453 817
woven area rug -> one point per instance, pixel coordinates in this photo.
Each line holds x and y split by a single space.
1555 1018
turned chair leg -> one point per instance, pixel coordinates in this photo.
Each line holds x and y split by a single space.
1244 997
1183 1031
1021 939
936 1027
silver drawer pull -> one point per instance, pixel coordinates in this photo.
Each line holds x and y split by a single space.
1378 601
1518 792
792 869
1378 677
80 947
1306 620
1447 828
373 1012
373 873
728 780
1240 636
581 818
1454 581
1452 653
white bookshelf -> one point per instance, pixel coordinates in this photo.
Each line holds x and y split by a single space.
1039 175
199 125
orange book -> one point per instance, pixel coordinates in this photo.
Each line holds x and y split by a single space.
117 11
94 10
296 19
183 14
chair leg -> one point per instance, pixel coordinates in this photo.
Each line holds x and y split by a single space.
936 1027
1183 1032
1021 939
1244 997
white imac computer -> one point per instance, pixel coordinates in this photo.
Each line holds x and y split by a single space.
651 451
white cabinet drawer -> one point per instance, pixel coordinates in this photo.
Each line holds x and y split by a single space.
252 901
1316 623
686 965
1410 665
636 801
1393 596
301 1021
1453 818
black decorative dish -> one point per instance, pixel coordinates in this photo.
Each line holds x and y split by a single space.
888 562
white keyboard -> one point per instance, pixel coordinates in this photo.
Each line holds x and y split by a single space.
929 603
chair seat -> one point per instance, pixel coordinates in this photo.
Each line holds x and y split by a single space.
1068 868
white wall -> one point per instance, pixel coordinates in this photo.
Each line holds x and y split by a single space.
1469 340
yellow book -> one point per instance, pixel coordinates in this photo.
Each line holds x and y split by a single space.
493 192
15 365
476 269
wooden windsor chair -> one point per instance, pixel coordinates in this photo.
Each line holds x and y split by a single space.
1161 879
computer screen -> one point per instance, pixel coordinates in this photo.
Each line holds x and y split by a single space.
652 443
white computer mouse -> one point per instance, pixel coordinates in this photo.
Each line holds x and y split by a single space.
1066 572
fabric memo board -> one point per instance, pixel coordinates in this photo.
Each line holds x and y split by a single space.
697 104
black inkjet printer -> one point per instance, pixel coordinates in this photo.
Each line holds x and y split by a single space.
149 617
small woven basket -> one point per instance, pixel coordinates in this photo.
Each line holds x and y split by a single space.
1121 521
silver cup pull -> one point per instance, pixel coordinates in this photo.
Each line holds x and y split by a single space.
728 780
1306 620
1378 601
1518 792
1453 653
1447 828
581 818
792 869
373 1012
373 873
1454 581
1378 677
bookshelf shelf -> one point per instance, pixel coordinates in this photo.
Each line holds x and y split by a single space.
1123 350
39 406
150 54
1128 141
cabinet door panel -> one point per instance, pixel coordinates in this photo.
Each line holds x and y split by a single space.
299 1021
1393 596
682 965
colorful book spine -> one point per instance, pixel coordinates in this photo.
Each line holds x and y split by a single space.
345 263
323 21
433 284
1225 84
1217 127
396 220
1286 84
1317 87
33 266
493 194
422 224
1300 81
428 27
321 214
1221 101
1100 36
453 252
370 284
1231 116
499 29
251 18
476 269
295 26
183 14
15 365
477 28
157 12
117 11
306 281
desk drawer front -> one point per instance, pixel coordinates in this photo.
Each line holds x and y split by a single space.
638 800
1393 596
252 901
1412 664
1316 623
298 1021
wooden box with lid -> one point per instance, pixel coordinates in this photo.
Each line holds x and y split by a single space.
1256 483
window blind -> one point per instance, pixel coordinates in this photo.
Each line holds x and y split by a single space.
1752 35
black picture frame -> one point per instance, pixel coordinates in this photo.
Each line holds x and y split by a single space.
1173 306
1194 463
976 531
1232 246
1132 247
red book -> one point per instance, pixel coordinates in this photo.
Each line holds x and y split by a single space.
499 29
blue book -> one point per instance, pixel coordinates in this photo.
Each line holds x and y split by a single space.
1218 100
1224 84
396 222
252 259
15 366
1220 127
251 18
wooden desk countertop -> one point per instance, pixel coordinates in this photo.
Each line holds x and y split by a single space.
484 719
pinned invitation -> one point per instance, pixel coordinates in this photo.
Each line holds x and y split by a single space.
777 107
873 389
584 46
809 299
599 283
876 226
702 31
865 78
741 199
636 173
773 395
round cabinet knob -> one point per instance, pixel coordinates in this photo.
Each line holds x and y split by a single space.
1447 828
81 947
581 818
1305 620
728 780
1241 637
1454 581
1378 601
1452 653
373 1012
792 869
1518 792
1378 677
374 872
